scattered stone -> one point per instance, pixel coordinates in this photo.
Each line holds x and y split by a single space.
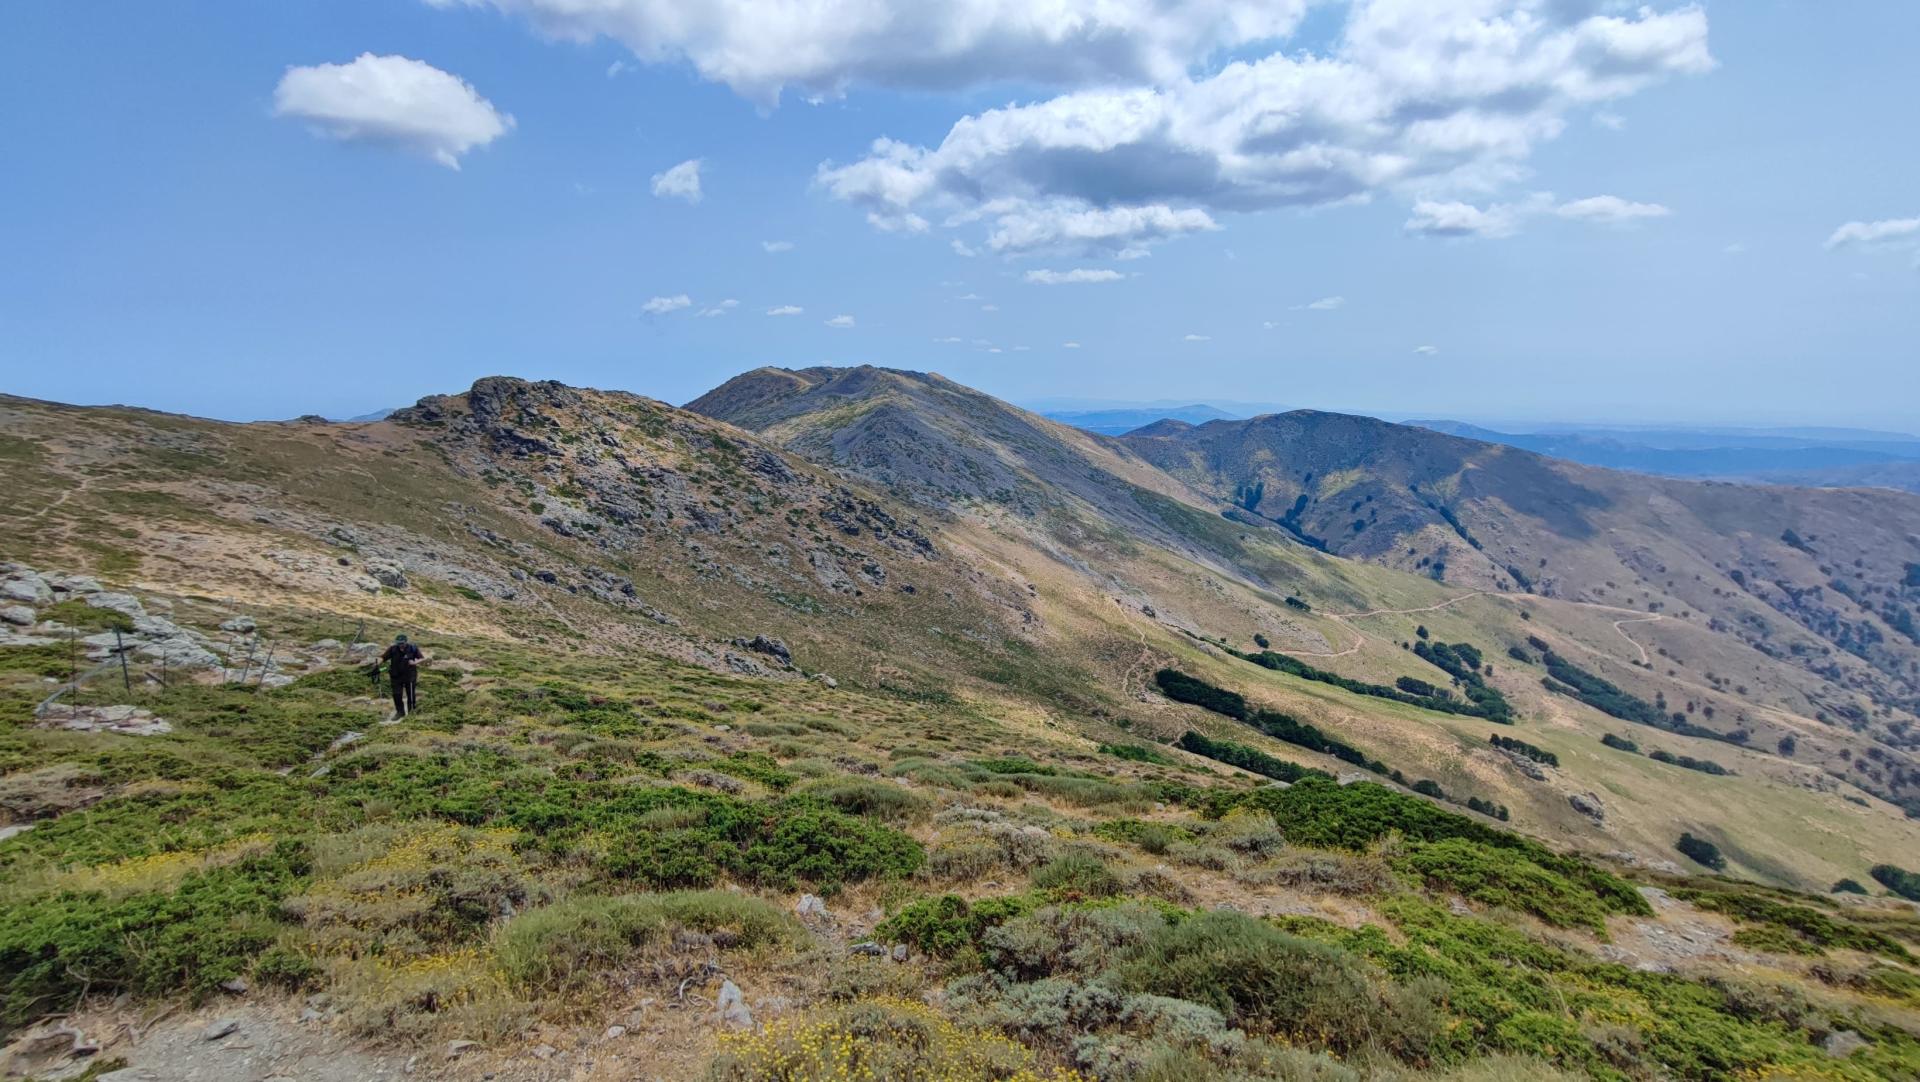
124 720
456 1049
14 830
308 1014
1842 1043
870 949
899 952
614 1033
25 585
773 648
388 575
810 905
732 1007
1588 805
19 616
76 584
825 679
225 1027
241 625
346 739
237 986
125 604
128 1074
542 1052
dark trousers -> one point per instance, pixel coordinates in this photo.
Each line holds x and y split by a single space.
405 686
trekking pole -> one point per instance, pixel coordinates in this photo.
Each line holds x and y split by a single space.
265 665
120 648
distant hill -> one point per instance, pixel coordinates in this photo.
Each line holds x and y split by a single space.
1816 458
1115 422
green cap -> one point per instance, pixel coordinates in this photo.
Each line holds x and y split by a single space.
402 637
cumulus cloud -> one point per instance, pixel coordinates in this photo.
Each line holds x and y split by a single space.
660 306
1427 351
1885 231
822 47
775 247
1610 210
1431 218
1418 96
1076 276
1198 338
842 322
1324 304
680 182
392 100
786 310
1069 345
720 309
950 340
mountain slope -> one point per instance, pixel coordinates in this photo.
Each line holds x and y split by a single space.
1817 583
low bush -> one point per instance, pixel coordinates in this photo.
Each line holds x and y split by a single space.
945 925
893 1039
1701 851
1898 880
575 940
1076 873
1263 980
888 802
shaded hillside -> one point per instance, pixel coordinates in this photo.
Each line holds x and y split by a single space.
1820 580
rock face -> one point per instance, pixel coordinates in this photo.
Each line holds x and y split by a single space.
773 648
1588 805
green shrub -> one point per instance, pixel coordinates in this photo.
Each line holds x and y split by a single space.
1079 940
1701 851
885 801
1262 979
1502 877
208 929
828 849
947 924
1898 880
560 945
1076 873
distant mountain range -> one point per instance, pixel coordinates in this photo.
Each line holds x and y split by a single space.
1821 458
1805 456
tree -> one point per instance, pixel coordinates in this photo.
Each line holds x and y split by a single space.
1702 852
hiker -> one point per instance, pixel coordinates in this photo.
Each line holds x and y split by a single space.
402 660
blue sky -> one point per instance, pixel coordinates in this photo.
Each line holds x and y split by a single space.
1504 209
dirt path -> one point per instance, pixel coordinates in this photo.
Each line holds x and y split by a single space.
1360 637
1620 627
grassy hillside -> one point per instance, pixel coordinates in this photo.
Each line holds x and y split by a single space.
621 788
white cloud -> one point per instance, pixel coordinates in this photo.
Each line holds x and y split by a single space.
1431 97
392 100
775 247
1198 338
840 321
1736 248
1426 350
1432 218
786 310
989 308
680 182
821 47
1069 345
1324 304
720 309
962 248
969 297
1888 230
662 305
1610 210
947 341
1021 349
1076 276
1610 121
